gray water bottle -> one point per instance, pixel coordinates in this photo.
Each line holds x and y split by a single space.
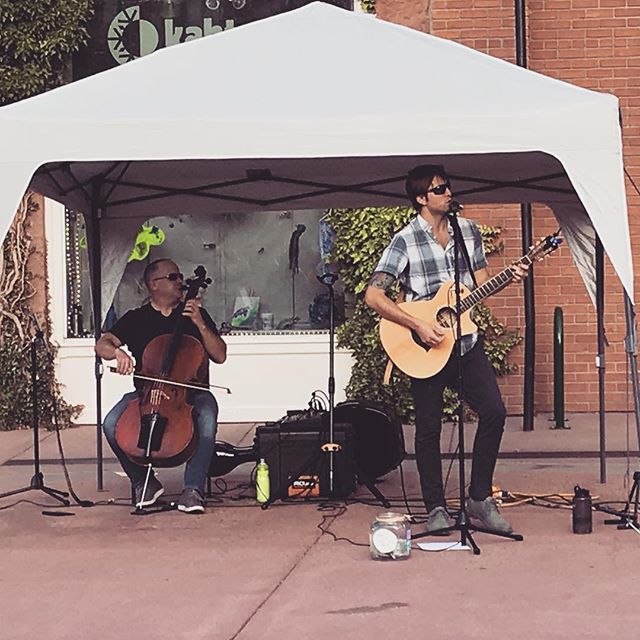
582 522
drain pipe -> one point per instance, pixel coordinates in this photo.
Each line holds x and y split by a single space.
527 241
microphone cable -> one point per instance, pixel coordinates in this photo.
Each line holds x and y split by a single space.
56 421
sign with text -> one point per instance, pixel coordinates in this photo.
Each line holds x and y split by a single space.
122 30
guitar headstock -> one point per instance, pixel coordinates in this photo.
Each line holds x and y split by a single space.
544 247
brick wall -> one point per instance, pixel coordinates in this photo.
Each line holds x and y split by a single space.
594 44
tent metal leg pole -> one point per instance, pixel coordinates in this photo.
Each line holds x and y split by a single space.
631 347
530 325
96 285
600 359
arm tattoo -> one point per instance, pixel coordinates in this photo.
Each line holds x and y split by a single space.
381 280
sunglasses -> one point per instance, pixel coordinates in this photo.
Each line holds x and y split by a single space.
440 189
172 277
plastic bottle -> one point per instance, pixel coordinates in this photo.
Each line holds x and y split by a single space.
582 521
262 481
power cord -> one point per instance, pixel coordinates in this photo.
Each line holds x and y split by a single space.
319 401
56 424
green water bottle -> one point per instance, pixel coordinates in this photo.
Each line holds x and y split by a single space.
262 481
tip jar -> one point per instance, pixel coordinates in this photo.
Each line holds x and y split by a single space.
390 536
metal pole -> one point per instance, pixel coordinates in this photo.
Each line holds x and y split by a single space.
521 33
529 324
600 363
527 241
96 290
332 386
35 419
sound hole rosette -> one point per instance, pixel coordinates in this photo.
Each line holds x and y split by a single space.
446 317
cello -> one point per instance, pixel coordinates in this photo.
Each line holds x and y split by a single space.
156 428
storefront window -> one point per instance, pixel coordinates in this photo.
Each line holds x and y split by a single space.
79 306
264 269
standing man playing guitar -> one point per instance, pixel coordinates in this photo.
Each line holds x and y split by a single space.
421 257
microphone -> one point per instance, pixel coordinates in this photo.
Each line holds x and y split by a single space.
39 333
455 207
327 278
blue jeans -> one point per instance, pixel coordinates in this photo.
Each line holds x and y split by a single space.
205 420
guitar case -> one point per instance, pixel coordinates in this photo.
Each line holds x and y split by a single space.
378 437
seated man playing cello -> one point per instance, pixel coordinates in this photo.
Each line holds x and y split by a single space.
136 329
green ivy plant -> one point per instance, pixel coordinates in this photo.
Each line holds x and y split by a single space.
36 39
361 236
17 330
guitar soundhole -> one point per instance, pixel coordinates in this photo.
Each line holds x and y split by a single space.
446 317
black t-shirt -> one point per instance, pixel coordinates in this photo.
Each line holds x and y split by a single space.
140 326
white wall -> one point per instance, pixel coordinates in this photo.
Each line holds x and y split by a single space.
267 374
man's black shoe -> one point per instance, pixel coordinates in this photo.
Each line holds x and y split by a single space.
153 492
191 501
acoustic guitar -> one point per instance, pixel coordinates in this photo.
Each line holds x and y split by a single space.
419 360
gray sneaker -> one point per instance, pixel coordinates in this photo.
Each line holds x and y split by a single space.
153 492
437 519
191 501
487 513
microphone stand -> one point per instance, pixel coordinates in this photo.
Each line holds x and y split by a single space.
329 279
37 480
462 521
294 253
628 516
331 447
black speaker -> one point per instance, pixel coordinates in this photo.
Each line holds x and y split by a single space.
298 467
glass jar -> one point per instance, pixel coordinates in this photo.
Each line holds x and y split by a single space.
390 536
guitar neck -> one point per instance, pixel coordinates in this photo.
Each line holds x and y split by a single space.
491 286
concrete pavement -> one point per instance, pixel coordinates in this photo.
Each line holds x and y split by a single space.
242 572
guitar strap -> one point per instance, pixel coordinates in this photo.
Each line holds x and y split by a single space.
465 252
388 370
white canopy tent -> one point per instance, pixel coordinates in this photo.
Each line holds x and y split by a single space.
313 108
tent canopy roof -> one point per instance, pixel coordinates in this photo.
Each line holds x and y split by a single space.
284 113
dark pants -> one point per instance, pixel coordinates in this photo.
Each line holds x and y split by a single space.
482 393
